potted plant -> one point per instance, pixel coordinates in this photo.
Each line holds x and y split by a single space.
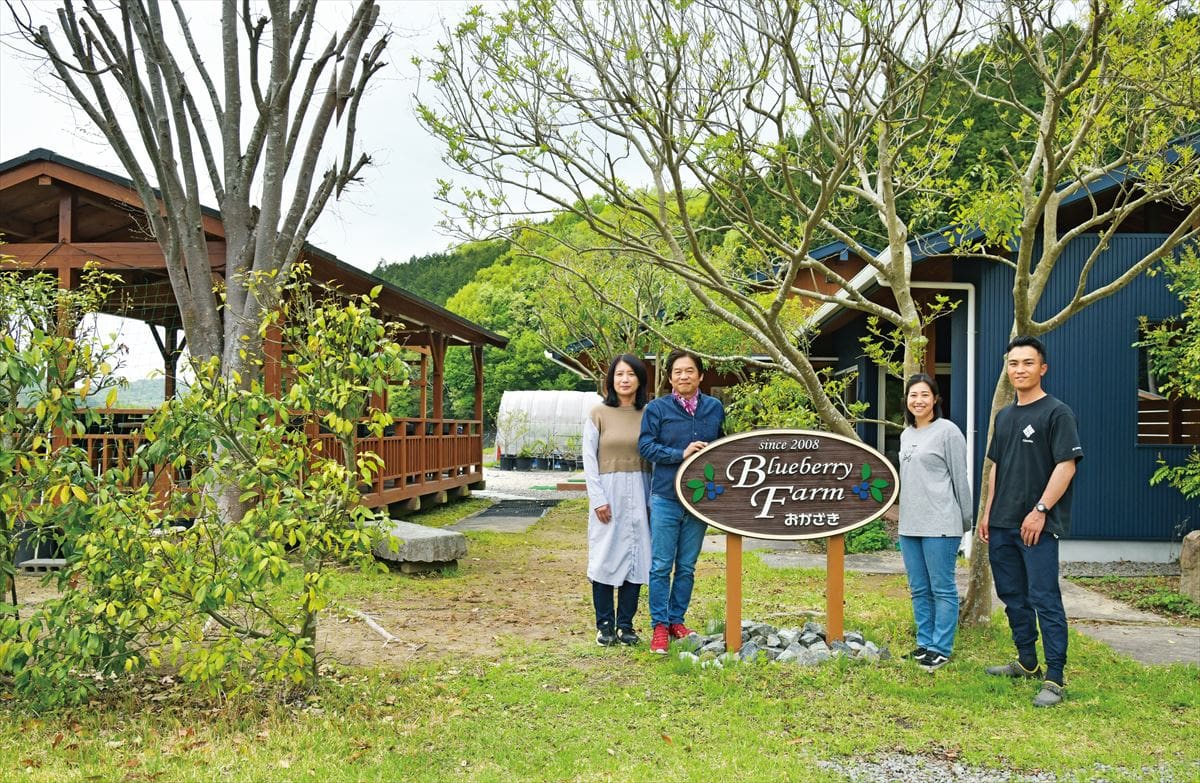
524 458
555 458
572 448
512 427
540 449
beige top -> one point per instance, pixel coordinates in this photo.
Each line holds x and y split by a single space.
619 429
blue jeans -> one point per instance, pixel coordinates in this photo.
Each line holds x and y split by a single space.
675 540
929 562
1027 582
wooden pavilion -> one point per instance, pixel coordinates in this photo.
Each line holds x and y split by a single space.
57 215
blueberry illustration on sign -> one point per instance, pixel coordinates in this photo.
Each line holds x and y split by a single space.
708 486
868 487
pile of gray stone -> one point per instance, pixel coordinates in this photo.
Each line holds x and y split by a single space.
805 646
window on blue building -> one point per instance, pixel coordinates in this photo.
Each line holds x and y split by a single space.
1163 419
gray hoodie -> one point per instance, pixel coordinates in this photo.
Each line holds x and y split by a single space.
935 497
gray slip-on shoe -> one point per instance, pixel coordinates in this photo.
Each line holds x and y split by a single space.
1014 670
1050 695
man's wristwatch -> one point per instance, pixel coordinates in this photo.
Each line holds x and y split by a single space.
1042 507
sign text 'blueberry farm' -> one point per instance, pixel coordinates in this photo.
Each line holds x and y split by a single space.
787 484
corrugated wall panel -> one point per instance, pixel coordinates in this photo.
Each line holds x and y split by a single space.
1093 368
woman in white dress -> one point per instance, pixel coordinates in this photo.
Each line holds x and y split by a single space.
618 496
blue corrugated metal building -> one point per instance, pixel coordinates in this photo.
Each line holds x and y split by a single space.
1095 367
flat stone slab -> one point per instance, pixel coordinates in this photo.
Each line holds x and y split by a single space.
421 544
1087 605
717 544
1153 645
869 563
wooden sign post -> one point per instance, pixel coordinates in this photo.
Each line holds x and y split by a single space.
786 485
733 592
835 586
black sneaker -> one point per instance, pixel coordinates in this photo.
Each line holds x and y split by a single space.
605 637
932 660
627 636
916 654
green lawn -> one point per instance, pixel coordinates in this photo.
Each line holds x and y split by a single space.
565 709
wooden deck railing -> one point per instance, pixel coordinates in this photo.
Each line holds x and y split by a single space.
420 456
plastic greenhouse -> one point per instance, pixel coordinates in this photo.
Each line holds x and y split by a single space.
542 427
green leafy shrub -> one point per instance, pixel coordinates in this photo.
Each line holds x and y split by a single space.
872 537
1170 603
769 400
777 401
1173 354
159 572
50 362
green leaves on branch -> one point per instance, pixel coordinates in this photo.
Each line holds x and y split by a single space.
901 352
776 401
158 572
51 359
1173 355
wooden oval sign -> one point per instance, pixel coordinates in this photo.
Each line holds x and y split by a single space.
787 484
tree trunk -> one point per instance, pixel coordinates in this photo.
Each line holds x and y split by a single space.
976 608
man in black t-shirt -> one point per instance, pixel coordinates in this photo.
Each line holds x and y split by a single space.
1034 449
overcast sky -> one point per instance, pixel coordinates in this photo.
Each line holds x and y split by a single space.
390 216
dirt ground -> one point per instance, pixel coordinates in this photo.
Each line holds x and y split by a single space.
511 587
534 590
500 591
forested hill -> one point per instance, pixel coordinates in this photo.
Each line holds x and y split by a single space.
138 393
438 276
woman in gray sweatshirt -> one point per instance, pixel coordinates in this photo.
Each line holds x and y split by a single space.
935 511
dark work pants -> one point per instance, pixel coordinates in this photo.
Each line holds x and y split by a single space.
627 603
1027 582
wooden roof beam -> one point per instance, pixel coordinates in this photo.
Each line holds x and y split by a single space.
109 255
12 226
66 215
47 172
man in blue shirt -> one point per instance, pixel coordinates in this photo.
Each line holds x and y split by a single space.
674 427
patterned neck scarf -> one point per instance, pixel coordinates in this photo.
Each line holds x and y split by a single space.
687 403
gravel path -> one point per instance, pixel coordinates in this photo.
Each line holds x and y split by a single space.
527 484
903 768
1119 568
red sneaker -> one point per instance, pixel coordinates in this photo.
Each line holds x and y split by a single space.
680 631
661 640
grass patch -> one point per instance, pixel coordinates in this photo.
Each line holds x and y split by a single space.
1157 594
576 712
447 513
564 709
